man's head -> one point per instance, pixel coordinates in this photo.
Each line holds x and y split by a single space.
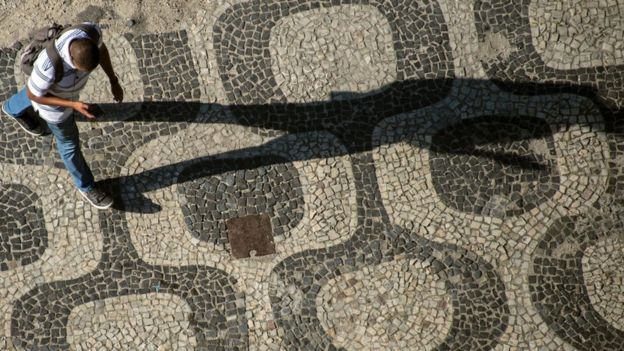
85 55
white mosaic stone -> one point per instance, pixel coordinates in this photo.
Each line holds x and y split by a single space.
204 55
20 77
578 33
395 305
339 49
138 322
603 270
466 49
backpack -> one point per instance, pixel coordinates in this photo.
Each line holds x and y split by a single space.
43 39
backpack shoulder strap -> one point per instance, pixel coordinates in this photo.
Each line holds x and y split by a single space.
57 61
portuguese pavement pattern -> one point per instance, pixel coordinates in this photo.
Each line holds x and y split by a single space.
430 175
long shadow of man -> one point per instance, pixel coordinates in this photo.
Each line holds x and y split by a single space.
352 117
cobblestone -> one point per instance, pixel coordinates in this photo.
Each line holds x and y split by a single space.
430 175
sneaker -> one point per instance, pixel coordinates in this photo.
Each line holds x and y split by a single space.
98 198
28 123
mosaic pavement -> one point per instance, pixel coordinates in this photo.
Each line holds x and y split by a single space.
431 175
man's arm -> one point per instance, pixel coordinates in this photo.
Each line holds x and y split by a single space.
52 100
105 62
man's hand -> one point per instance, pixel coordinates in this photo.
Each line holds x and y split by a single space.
83 109
117 90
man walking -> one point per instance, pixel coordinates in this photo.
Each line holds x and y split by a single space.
55 102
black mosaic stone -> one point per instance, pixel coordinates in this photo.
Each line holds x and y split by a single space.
166 66
168 74
557 284
241 41
490 165
215 193
616 176
7 72
17 147
23 236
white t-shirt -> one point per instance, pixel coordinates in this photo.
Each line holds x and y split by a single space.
41 81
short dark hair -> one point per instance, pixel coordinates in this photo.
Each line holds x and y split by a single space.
85 54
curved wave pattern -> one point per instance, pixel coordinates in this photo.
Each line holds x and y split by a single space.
422 59
445 192
248 79
476 290
558 286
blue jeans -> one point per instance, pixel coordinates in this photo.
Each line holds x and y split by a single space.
17 104
67 141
